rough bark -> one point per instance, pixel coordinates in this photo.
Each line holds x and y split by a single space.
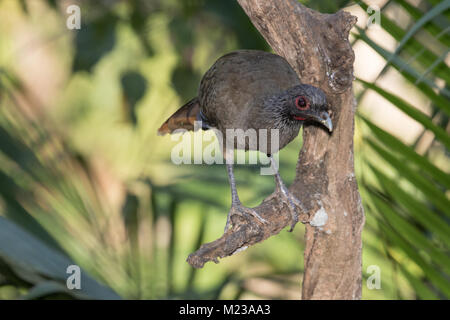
317 47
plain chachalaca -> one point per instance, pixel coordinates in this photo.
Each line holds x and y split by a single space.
249 89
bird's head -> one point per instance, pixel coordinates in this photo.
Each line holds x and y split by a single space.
307 103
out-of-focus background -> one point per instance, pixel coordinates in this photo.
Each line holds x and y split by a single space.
85 180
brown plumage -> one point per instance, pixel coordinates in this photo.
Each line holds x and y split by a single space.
250 89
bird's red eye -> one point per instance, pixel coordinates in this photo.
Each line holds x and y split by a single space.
302 103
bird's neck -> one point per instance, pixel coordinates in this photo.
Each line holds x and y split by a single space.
276 112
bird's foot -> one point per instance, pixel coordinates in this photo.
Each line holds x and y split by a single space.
282 194
244 212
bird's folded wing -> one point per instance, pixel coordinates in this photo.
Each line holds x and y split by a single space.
183 118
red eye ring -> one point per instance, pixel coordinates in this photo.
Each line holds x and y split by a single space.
302 103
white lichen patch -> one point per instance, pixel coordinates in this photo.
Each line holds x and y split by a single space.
240 249
345 213
320 218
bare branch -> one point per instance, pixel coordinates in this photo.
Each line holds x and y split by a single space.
245 233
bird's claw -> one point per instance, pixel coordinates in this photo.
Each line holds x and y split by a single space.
244 212
291 202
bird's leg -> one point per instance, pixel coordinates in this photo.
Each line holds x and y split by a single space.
236 205
284 195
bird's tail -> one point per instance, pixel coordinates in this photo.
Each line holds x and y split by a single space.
183 118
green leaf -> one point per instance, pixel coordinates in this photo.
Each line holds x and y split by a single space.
433 27
438 9
428 189
417 209
408 153
431 273
17 213
193 272
412 112
413 47
410 74
50 288
35 262
409 232
134 87
102 32
435 63
420 289
173 205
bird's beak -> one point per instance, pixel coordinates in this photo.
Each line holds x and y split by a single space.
325 119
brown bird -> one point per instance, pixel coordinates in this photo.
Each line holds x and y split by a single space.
250 89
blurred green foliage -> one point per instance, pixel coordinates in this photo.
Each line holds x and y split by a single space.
85 180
